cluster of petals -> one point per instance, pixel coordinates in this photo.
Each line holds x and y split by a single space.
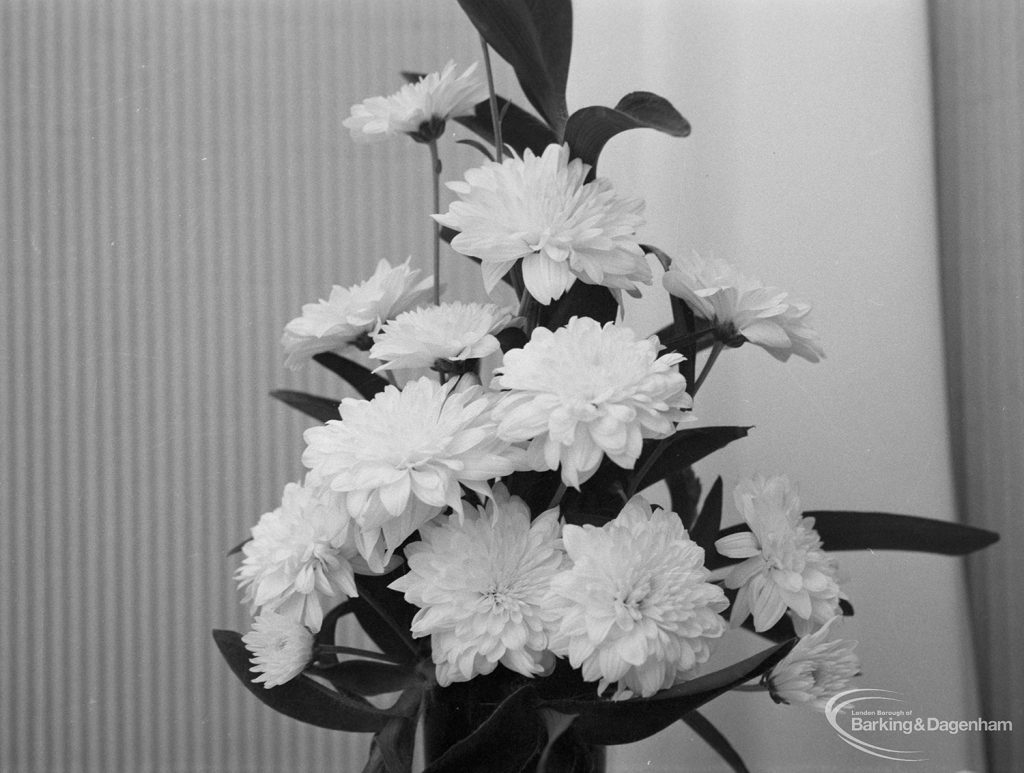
784 566
452 331
541 209
403 456
418 109
586 390
281 648
352 312
299 558
635 609
480 583
738 305
814 670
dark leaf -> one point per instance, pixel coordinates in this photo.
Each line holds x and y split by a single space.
396 741
322 409
702 727
684 494
588 130
385 615
238 548
511 338
477 145
535 37
683 449
359 378
581 300
504 743
520 130
709 522
610 722
537 489
327 630
367 677
303 698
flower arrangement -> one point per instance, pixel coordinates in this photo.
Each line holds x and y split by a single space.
483 508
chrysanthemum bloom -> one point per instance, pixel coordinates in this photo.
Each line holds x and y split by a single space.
403 456
635 609
299 557
586 390
418 109
785 566
281 648
480 585
354 313
541 210
743 309
451 332
814 670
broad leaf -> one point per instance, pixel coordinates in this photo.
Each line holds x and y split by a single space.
588 130
709 522
683 449
323 409
368 677
303 698
392 748
581 300
535 37
610 722
504 743
385 616
684 494
365 382
520 130
714 738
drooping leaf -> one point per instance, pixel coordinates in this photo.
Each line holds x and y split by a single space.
520 130
322 409
709 521
385 616
683 449
714 738
368 677
392 748
361 379
303 698
503 743
535 37
588 130
616 722
476 145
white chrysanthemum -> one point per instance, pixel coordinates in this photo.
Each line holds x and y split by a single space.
299 557
814 670
480 585
542 210
418 109
452 331
352 312
785 566
635 609
741 306
281 648
586 390
402 457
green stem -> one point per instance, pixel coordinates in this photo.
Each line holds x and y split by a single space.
715 351
750 688
435 173
337 649
495 119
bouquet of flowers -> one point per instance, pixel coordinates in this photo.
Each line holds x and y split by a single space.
483 509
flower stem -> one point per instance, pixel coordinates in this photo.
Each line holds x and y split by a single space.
715 351
435 173
337 649
495 119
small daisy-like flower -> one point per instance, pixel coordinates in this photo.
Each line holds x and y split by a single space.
743 309
785 566
281 648
404 455
540 209
814 670
418 109
586 390
299 557
452 332
351 314
636 609
480 584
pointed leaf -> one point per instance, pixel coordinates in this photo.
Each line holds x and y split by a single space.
582 300
477 145
709 522
520 130
588 130
684 494
396 741
535 37
368 677
361 379
683 449
610 722
238 548
303 698
386 616
514 728
714 738
322 409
